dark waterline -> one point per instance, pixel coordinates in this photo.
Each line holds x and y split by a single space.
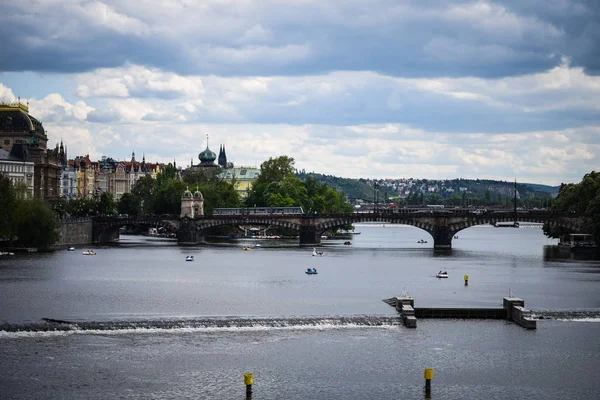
150 325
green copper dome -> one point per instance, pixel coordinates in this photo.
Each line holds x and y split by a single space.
207 156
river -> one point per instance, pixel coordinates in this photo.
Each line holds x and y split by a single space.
144 323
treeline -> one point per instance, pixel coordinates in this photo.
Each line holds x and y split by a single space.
582 200
278 185
24 222
456 192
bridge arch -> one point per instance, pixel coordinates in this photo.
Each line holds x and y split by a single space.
107 229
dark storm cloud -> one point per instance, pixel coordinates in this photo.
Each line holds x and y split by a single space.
418 38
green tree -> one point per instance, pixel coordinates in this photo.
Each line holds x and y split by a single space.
35 224
128 205
106 204
169 173
144 192
579 200
7 206
274 170
168 197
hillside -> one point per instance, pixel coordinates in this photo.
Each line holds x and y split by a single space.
492 190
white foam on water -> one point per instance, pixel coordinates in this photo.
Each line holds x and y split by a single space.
191 329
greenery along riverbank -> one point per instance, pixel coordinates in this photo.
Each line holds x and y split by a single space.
25 222
581 198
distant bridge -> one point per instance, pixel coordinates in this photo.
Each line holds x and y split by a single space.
442 225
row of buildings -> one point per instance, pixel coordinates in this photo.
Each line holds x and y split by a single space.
47 173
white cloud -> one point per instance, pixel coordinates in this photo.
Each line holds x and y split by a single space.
281 55
101 14
138 81
55 108
6 94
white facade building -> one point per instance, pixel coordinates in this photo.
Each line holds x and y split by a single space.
68 183
17 170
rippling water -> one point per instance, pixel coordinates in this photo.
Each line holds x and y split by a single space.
138 321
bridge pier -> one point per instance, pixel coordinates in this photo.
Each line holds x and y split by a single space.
188 233
442 237
309 236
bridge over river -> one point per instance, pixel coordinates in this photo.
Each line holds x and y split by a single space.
441 224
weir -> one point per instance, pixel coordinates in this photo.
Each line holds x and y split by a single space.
513 310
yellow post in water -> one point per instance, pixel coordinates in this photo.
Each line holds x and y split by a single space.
429 373
466 280
248 381
428 378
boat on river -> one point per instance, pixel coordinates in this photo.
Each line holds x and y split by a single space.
71 249
189 258
441 274
311 271
89 253
316 253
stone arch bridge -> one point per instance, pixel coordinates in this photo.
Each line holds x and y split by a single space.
442 225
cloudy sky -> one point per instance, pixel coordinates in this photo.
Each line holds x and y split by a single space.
353 88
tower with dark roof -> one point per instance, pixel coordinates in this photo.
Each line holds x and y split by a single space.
222 157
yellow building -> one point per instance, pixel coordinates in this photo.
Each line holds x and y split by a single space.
244 178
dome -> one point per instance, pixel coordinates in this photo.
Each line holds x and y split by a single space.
198 195
187 194
207 156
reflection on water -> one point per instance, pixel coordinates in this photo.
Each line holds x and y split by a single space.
552 253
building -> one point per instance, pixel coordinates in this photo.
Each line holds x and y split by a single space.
243 177
17 126
17 167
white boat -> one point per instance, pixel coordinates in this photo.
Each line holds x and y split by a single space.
71 249
6 253
89 253
316 253
189 258
441 275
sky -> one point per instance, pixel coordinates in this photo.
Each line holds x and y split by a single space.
352 88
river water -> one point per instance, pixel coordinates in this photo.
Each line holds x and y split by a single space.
144 323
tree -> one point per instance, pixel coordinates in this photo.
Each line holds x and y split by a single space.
144 191
106 204
7 205
168 197
35 224
579 200
128 205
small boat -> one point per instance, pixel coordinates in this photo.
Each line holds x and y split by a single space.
347 243
441 274
246 248
89 253
6 253
316 253
311 271
421 241
71 249
189 258
257 245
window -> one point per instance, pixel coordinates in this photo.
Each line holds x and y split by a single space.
6 141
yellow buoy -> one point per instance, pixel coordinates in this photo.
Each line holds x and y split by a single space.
248 379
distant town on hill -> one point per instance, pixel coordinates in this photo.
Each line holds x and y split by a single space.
454 191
